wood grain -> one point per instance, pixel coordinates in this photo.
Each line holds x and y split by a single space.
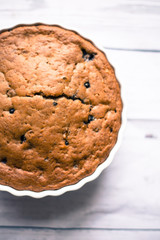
37 234
139 74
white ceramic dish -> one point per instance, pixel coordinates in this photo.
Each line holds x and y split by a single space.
99 169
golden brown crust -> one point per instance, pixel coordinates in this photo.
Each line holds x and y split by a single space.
60 107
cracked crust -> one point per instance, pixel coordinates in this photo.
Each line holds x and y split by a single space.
60 107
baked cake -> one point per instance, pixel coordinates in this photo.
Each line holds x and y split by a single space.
60 107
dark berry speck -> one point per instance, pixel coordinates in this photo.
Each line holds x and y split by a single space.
23 138
84 53
55 103
91 56
73 97
90 118
111 129
87 56
11 110
4 160
87 84
66 142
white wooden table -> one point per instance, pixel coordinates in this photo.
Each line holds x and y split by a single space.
124 202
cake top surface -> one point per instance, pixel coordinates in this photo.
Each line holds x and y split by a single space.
60 107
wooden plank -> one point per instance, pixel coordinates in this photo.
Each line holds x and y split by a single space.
140 76
116 24
32 234
126 195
